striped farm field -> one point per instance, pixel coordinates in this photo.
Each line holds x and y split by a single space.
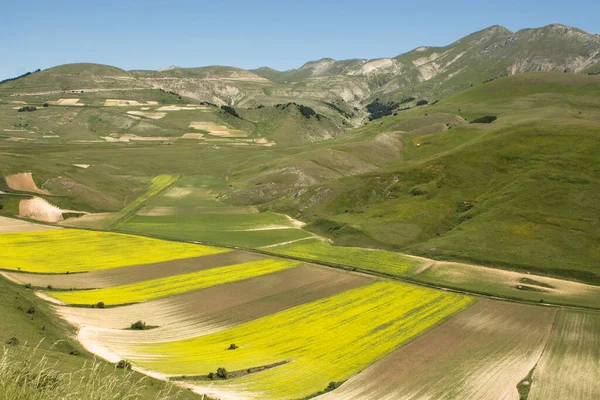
320 342
157 185
221 307
570 366
482 353
381 261
172 285
70 250
132 274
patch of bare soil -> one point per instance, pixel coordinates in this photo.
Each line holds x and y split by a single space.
40 210
11 225
24 182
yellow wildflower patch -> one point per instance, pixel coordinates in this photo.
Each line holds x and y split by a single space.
325 341
164 287
71 250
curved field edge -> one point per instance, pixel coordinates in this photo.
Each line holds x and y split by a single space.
570 365
324 341
71 250
380 261
172 285
481 353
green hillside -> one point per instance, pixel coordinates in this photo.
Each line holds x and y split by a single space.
519 193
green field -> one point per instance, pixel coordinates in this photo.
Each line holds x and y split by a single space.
385 262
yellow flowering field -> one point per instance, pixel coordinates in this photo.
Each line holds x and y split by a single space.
164 287
323 341
72 250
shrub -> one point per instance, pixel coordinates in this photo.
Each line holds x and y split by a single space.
230 110
233 346
306 111
422 102
45 105
27 109
31 310
379 110
124 364
211 375
222 373
100 304
13 341
488 119
28 286
49 287
138 325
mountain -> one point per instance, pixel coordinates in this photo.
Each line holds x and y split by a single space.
440 71
426 72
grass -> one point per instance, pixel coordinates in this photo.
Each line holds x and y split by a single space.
188 230
47 348
164 287
28 374
158 184
380 261
529 178
327 340
70 250
510 284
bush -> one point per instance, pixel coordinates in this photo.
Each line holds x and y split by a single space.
45 105
138 325
31 310
230 110
124 364
422 102
27 109
233 346
379 110
306 111
488 119
100 304
222 373
13 341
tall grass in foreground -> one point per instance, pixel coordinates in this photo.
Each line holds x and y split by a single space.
28 374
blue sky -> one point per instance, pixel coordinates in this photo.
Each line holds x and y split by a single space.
149 34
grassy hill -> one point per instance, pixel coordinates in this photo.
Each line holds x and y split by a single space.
521 192
42 359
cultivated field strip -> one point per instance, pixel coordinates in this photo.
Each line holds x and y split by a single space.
482 353
70 250
190 210
12 225
212 309
381 261
157 185
132 274
570 366
511 284
323 341
172 285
